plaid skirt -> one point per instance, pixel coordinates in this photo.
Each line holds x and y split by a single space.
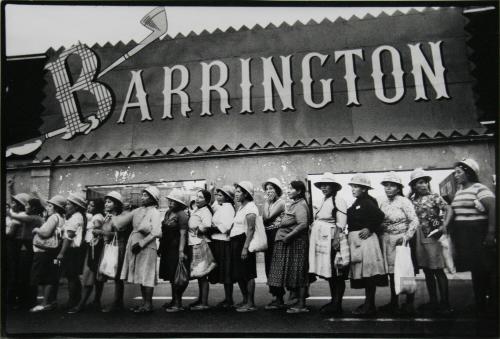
289 264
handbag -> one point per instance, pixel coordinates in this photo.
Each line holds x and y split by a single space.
181 278
445 242
203 261
109 261
49 243
258 243
404 275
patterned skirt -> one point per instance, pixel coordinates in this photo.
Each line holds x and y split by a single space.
289 264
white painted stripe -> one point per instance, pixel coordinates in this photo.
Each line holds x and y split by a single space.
472 10
351 297
489 122
398 319
167 298
39 297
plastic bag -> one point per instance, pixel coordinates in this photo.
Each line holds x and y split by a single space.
109 261
181 278
259 239
447 253
203 261
404 275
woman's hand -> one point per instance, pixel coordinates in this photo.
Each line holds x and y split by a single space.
401 241
60 256
136 248
490 240
365 233
182 255
244 254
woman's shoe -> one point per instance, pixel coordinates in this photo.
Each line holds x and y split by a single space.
169 304
74 310
199 308
274 305
297 310
195 303
37 308
144 310
174 309
246 308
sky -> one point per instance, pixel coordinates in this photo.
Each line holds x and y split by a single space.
33 29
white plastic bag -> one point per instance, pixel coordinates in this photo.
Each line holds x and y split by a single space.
404 275
203 261
259 239
447 253
109 261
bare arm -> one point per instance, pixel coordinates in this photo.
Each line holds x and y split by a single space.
250 218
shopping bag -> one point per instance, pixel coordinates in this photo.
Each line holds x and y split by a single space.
181 278
109 261
404 275
344 257
259 239
203 261
447 253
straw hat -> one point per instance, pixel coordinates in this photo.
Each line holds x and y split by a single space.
392 177
418 173
228 191
247 186
154 192
328 178
471 163
78 200
361 179
58 200
276 183
22 198
114 195
179 196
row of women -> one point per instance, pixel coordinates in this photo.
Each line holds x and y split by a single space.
335 242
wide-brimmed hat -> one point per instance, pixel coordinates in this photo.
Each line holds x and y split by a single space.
114 195
154 192
247 186
78 200
419 173
179 196
361 179
328 178
471 163
22 198
227 190
276 182
58 200
392 177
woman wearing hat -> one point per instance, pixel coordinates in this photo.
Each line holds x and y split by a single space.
399 226
222 222
272 214
330 220
70 254
429 253
367 264
113 207
243 263
173 247
289 261
44 271
474 234
27 222
92 247
139 265
199 224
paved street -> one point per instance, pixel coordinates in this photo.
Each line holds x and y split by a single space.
221 322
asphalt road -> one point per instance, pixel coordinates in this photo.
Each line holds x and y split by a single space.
218 323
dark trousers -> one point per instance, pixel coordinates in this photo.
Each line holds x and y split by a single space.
23 291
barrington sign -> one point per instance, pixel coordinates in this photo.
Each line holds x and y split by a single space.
374 76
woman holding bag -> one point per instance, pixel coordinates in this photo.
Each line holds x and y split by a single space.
243 263
367 264
289 261
429 253
139 266
200 255
399 226
222 222
173 246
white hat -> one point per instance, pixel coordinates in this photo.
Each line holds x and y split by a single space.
361 179
328 178
471 163
153 192
22 198
179 196
276 182
58 200
418 173
247 186
392 177
228 191
78 199
114 195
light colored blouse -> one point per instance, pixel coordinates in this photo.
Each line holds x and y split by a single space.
325 212
146 223
223 220
91 224
240 225
75 224
400 216
199 221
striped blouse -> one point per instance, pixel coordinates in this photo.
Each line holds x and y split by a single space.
466 204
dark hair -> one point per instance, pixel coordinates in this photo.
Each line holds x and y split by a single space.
413 192
279 193
469 173
400 191
153 200
59 210
227 198
98 205
299 186
36 207
17 206
208 197
247 195
118 204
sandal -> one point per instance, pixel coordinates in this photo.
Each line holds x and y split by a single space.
274 305
199 308
297 310
364 312
74 310
174 309
143 310
245 309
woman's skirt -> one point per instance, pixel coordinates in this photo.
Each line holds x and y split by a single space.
366 260
469 252
428 251
388 247
140 268
289 264
268 254
43 270
91 264
71 266
241 270
169 254
221 250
